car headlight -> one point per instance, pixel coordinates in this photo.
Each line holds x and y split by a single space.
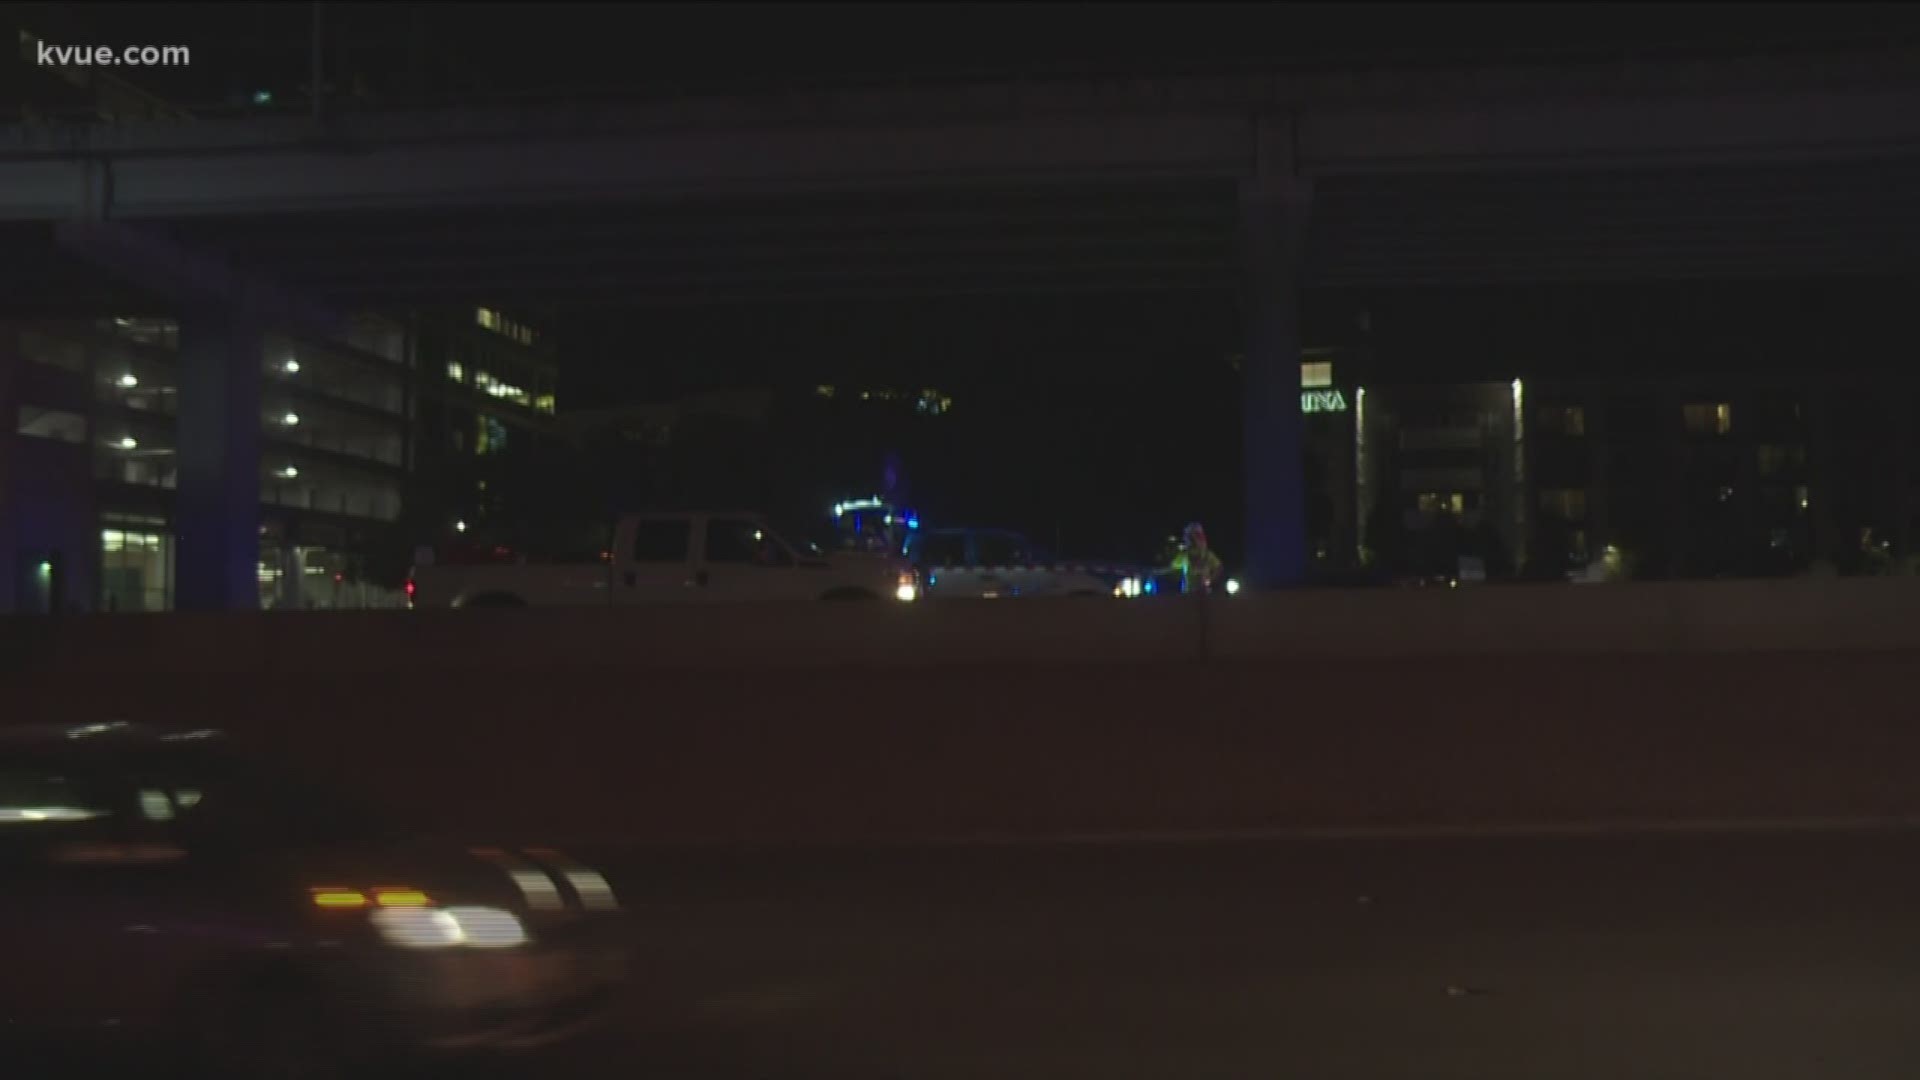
445 928
1127 588
907 586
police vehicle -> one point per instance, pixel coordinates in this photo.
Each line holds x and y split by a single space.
992 564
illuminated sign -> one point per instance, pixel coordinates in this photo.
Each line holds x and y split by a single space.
1322 401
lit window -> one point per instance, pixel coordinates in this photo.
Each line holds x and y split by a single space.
544 403
134 570
1715 418
488 318
824 390
1316 375
57 424
456 372
490 435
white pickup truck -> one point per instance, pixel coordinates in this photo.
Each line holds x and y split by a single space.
683 558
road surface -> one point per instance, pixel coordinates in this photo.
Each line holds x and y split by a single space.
1788 954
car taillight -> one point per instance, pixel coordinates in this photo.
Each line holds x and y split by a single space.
340 896
410 590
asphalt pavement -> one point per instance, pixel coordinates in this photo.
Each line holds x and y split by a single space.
1784 954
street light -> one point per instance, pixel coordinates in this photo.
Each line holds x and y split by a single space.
291 367
129 381
289 473
291 419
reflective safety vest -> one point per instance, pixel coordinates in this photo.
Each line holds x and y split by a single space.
1198 569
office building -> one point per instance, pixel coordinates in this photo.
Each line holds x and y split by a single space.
1677 477
1730 476
484 432
89 475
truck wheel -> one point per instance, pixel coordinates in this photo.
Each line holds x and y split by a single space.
495 600
850 596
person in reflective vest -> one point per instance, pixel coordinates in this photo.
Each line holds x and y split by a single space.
1198 566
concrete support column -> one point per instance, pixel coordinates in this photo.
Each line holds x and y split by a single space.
218 508
1273 210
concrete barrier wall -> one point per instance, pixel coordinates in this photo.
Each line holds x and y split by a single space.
1446 708
1661 618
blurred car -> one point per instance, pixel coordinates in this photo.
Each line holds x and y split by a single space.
157 887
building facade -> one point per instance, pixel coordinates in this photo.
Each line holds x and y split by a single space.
1439 467
1702 477
88 482
1680 477
485 435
